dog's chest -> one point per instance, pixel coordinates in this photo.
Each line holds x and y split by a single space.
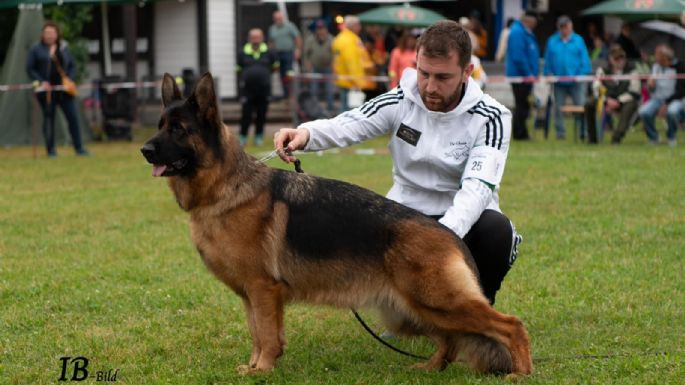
219 251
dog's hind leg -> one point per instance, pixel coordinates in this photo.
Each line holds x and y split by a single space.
477 317
445 296
266 299
480 353
438 360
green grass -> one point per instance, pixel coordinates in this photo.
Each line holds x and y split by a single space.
96 261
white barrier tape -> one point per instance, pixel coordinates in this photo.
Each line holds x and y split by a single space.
505 79
316 76
107 86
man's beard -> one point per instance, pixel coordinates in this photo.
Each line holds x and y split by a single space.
443 103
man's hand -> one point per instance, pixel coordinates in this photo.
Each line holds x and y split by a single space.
287 140
612 104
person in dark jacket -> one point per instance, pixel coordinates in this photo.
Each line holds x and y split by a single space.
522 59
42 67
624 40
620 96
256 62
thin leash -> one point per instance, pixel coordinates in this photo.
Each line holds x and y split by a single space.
537 360
382 341
274 154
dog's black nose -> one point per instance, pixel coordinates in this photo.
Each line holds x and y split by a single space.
148 151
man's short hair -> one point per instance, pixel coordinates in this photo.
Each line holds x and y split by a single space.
666 50
563 20
443 38
351 20
616 51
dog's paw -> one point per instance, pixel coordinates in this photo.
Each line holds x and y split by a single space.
430 365
244 370
514 377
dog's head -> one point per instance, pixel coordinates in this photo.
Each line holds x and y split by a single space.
190 130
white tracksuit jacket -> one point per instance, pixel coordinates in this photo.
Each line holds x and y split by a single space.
447 163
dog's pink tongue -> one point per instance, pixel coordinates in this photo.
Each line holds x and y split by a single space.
158 169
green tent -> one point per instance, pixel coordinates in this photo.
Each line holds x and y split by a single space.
638 9
400 15
22 120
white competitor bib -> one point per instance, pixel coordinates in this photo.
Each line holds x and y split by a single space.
485 163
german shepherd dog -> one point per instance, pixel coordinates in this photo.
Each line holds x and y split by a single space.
275 236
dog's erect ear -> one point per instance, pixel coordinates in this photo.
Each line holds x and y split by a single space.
170 91
205 98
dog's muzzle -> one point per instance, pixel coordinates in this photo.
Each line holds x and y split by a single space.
159 167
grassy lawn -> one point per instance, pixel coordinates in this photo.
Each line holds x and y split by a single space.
96 261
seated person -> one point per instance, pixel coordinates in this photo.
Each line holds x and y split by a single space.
666 93
620 96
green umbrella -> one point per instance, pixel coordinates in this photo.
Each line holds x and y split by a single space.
638 9
405 16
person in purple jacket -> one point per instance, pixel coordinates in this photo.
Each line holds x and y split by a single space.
522 60
566 55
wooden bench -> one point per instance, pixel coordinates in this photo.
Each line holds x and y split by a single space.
576 112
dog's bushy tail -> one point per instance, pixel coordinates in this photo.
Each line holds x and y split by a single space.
481 353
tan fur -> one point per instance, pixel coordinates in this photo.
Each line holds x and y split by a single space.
424 285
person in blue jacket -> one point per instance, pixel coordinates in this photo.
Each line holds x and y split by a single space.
523 57
566 55
41 66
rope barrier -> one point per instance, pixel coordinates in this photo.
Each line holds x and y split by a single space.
492 79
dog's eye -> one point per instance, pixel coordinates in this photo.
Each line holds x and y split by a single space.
177 129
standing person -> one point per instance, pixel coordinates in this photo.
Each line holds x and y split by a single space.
256 62
285 40
620 96
318 58
449 144
567 55
627 43
476 25
599 50
373 65
522 60
665 94
349 56
403 56
43 63
502 42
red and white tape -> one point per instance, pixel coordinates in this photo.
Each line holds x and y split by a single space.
492 79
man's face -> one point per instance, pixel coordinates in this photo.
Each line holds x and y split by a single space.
278 17
441 80
618 62
565 30
321 31
530 22
256 37
662 58
356 28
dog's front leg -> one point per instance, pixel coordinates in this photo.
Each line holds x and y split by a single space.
256 348
266 303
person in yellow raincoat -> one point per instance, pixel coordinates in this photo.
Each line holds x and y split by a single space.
349 56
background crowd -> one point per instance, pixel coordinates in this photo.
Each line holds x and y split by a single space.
350 62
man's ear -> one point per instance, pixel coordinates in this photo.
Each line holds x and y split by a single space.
170 91
205 98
